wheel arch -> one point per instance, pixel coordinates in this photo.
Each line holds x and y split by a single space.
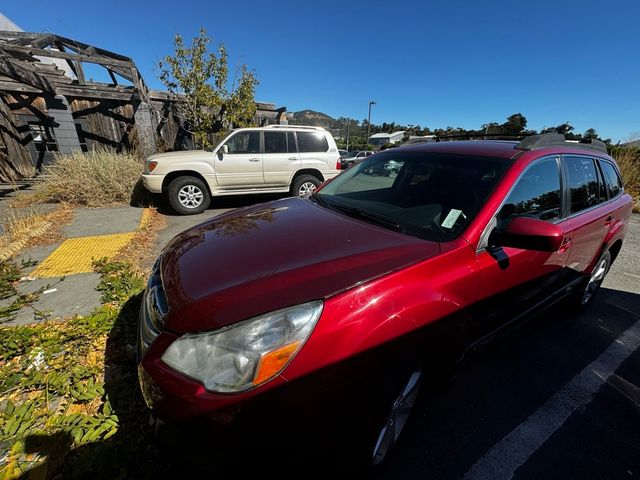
308 171
170 177
614 249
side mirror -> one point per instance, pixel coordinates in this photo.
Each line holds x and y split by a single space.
529 234
224 150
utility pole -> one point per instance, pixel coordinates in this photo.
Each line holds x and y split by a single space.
371 102
348 125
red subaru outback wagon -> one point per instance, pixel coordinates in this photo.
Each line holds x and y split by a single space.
268 317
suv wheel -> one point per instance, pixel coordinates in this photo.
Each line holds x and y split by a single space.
188 195
304 185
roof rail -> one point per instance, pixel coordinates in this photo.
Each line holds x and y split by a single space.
558 140
296 126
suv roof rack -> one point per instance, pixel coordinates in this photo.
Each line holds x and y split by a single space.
558 140
296 126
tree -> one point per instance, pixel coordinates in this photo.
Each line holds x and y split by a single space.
515 123
209 102
590 133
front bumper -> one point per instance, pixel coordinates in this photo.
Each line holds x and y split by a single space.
153 183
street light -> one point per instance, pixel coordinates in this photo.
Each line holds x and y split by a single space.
371 102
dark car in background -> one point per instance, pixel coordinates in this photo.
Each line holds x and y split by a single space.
248 326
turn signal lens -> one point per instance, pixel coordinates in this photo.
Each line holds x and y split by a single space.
271 363
151 166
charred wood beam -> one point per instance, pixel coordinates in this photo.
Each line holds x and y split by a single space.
11 86
85 91
81 55
17 71
79 46
124 73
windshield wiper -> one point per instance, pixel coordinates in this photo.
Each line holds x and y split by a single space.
371 217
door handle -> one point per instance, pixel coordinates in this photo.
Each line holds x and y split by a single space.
293 158
254 159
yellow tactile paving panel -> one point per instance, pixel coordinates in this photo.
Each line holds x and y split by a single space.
76 255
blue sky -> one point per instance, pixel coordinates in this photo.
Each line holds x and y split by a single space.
439 64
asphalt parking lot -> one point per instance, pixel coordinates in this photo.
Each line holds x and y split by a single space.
559 398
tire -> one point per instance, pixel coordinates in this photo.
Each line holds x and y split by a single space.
583 297
188 195
396 418
304 185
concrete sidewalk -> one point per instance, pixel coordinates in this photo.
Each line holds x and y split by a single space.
63 272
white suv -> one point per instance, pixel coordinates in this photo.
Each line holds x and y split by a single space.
276 158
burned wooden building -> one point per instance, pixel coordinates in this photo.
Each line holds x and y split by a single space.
48 105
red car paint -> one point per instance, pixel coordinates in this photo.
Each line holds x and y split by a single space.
281 262
377 285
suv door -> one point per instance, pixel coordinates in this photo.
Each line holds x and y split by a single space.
589 218
280 160
242 166
512 280
313 148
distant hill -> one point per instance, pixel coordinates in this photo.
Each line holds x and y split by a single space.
309 117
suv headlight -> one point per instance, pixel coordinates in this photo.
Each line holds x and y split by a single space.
247 354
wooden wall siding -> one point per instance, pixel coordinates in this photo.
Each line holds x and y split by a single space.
105 123
15 158
27 104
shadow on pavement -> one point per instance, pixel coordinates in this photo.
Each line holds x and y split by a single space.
453 427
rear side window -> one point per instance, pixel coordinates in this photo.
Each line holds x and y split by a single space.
275 142
244 142
312 142
536 194
582 181
611 178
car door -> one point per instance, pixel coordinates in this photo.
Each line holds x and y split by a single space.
280 160
313 148
512 280
589 218
241 167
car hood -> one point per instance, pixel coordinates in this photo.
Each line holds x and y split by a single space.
274 255
183 156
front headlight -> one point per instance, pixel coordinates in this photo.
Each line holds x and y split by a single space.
244 355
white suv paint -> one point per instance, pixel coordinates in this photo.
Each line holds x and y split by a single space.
276 158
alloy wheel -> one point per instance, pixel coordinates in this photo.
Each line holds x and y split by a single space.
397 418
596 278
190 196
306 189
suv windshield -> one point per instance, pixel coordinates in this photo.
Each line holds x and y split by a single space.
430 196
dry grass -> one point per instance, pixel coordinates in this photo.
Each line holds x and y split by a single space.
94 179
628 160
139 251
26 227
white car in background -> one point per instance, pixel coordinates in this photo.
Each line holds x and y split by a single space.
272 159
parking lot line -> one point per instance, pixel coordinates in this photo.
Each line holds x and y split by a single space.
506 456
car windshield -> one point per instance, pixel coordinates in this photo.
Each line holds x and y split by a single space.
430 196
